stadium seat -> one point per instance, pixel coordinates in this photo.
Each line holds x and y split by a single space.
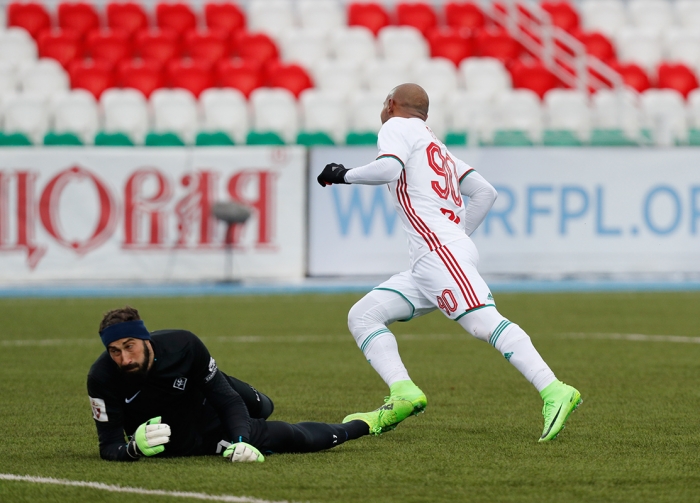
256 46
80 17
437 76
464 15
323 112
128 17
518 118
77 113
275 111
663 113
194 76
9 83
239 74
17 46
95 76
615 117
562 13
470 114
107 45
143 75
451 43
437 118
159 45
598 45
402 44
26 114
370 15
654 14
682 45
641 46
486 76
567 115
208 47
633 76
693 109
62 45
533 75
353 44
382 76
31 16
687 13
225 110
364 122
677 77
290 77
419 15
337 75
606 16
177 17
175 111
45 77
272 17
320 16
227 17
497 43
125 111
303 47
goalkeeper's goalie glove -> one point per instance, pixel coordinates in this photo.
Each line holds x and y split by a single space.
243 453
332 173
149 439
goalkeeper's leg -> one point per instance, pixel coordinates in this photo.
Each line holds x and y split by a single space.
280 437
259 405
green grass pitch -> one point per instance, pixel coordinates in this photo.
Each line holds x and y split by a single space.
635 438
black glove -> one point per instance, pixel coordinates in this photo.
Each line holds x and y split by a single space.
332 173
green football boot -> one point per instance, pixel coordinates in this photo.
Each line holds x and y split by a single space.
406 390
560 400
385 418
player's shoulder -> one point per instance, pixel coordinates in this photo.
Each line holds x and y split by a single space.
103 369
403 124
174 339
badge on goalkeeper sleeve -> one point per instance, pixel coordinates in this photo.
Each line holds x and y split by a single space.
149 438
332 173
243 453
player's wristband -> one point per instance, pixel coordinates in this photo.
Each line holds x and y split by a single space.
132 450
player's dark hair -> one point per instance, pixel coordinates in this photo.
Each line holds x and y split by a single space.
126 313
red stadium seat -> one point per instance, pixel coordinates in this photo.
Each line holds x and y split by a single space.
563 14
533 75
62 45
224 16
33 17
598 45
79 16
678 77
451 43
128 17
145 76
177 17
255 46
241 74
418 15
107 45
160 45
205 46
497 43
95 76
632 75
195 76
369 15
291 77
464 15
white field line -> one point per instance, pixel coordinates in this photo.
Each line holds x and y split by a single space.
635 337
133 490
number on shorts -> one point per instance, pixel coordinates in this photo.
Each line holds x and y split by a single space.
447 302
445 167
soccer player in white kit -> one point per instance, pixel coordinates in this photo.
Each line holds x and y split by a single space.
427 184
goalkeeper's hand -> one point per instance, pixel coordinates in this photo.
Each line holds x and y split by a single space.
149 438
332 173
243 453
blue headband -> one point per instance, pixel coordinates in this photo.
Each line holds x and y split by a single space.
135 329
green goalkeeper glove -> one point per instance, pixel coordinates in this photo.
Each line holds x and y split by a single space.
150 437
243 453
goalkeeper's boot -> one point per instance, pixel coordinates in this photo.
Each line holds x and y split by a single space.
385 418
406 390
560 400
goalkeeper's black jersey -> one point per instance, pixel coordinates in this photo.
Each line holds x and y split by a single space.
183 386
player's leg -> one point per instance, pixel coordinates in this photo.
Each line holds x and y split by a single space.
259 405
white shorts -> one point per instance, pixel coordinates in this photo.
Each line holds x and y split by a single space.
445 279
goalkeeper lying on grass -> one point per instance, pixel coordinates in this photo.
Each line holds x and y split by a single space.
164 391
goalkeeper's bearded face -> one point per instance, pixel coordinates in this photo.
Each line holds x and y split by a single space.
133 356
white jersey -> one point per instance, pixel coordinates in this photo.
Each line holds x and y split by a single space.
427 195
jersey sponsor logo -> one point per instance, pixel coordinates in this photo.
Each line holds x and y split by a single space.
99 409
212 370
129 400
180 383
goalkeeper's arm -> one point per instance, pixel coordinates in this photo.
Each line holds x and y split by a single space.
481 196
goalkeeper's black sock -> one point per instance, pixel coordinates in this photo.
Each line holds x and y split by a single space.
355 429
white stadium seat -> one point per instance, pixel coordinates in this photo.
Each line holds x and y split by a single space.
28 114
519 110
320 16
566 109
616 110
9 82
656 14
663 113
437 118
353 43
402 44
304 47
76 112
682 45
175 111
641 46
485 76
437 76
225 110
275 110
340 76
325 112
17 46
44 76
687 13
606 16
273 17
125 111
365 108
382 76
693 109
471 113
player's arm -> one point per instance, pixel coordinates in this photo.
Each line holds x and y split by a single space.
481 196
378 172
